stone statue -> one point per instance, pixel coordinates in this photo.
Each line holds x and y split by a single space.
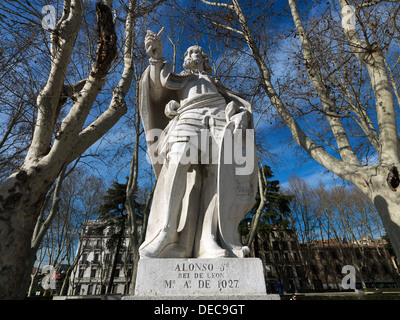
200 197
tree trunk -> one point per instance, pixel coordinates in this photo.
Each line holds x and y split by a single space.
33 277
23 193
121 236
21 198
387 203
71 268
256 217
28 279
39 233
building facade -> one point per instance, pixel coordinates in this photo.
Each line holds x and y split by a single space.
280 253
371 261
318 265
100 261
297 267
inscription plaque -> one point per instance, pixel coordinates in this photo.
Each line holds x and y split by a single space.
200 277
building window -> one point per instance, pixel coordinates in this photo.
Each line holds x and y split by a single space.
90 289
338 269
81 272
114 288
119 259
107 257
93 273
89 231
78 290
289 271
314 269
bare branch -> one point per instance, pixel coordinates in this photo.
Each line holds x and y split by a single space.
218 4
53 211
117 107
227 27
49 97
329 106
373 3
339 167
372 58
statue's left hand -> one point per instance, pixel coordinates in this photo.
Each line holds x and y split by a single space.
171 108
238 115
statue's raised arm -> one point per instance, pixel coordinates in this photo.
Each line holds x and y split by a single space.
153 44
154 49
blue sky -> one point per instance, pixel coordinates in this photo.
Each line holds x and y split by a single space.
287 161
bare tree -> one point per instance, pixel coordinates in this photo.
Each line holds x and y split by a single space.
51 150
75 199
378 181
338 218
41 228
19 85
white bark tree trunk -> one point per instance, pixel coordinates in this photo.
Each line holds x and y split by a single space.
23 193
387 202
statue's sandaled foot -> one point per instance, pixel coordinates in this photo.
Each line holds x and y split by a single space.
160 245
241 252
208 248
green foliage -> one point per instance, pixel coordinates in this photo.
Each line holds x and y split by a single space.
114 201
113 212
276 210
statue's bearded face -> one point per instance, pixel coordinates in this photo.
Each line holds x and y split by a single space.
194 59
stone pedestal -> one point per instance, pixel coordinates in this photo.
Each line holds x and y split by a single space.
201 279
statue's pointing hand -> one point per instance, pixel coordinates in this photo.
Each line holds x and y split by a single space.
153 44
